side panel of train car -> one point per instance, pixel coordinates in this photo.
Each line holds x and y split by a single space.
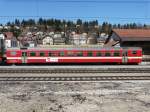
1 56
111 55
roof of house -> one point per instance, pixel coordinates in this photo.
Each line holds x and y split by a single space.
111 43
9 35
133 34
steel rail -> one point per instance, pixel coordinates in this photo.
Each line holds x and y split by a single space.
116 70
79 78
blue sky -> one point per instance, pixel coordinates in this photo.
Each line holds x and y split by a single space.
114 11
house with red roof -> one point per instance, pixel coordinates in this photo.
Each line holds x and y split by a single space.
130 38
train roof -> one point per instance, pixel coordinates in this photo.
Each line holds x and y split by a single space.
78 48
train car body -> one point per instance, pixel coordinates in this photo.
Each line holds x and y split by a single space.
1 56
74 55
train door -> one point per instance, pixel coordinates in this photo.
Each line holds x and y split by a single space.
24 57
125 57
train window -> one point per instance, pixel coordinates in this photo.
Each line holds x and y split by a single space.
107 54
70 53
134 52
32 54
49 54
116 54
13 53
42 54
53 54
61 53
90 53
98 54
79 53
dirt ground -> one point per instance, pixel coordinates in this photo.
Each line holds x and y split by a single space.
120 96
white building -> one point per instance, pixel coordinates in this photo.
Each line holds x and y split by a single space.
11 43
1 27
78 39
2 36
48 40
7 43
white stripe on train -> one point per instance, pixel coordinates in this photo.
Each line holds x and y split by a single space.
73 57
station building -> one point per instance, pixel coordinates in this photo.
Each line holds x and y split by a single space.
130 38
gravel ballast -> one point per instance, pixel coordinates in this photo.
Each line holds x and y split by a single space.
106 96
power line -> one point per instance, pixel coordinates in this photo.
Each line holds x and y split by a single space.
85 1
78 17
98 1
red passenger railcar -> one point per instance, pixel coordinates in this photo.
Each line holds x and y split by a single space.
1 56
74 55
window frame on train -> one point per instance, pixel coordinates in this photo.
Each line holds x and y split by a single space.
116 53
32 53
42 54
89 53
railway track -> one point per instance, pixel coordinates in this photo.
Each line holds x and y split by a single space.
104 70
87 78
76 69
73 73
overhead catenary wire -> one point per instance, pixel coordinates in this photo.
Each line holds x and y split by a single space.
97 1
37 15
77 17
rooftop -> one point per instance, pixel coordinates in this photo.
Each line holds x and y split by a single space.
133 34
75 48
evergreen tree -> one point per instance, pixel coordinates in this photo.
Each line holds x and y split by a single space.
17 22
144 26
79 22
8 23
23 23
134 25
119 26
31 22
40 21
